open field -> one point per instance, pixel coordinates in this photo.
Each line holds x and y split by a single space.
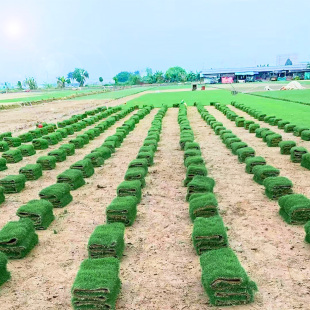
160 268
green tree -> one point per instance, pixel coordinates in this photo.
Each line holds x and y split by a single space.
149 78
61 82
134 79
191 77
80 75
101 79
68 81
158 77
288 62
19 85
175 74
122 77
31 83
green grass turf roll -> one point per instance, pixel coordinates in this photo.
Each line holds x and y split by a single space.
27 150
57 194
276 187
289 128
110 145
107 241
4 273
5 134
59 154
69 129
90 133
247 124
229 141
85 166
149 148
117 141
123 210
51 138
139 163
274 121
298 130
13 141
97 284
296 153
40 144
96 159
12 156
3 165
13 183
77 127
191 145
84 137
105 152
25 137
239 121
77 142
2 197
69 148
199 184
148 142
40 212
265 134
305 135
191 152
253 127
193 170
73 177
149 156
227 131
224 279
228 135
4 146
219 129
305 161
18 238
295 209
251 162
137 173
63 132
273 140
185 139
194 160
235 146
47 162
202 205
260 116
244 153
209 234
281 124
307 230
263 172
31 171
259 132
268 118
44 131
286 146
130 188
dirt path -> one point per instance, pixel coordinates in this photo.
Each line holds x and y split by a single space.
44 278
160 269
273 252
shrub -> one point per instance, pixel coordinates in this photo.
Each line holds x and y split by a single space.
123 210
31 171
107 241
295 209
199 184
40 212
244 153
73 177
18 238
263 172
251 162
286 146
12 156
130 188
296 153
276 187
209 234
58 194
3 165
224 279
13 183
85 165
273 140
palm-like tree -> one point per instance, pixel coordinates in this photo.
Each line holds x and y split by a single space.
61 81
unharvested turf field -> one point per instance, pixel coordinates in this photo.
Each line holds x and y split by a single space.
160 268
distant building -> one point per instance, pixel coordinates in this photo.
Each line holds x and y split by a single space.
252 74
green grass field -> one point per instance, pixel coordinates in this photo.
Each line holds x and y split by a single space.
302 95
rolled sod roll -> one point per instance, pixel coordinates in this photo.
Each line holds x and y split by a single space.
130 188
191 152
69 148
305 161
224 132
219 129
43 131
265 134
251 162
289 128
185 139
307 230
47 162
18 238
259 131
149 148
59 154
226 136
297 152
275 121
137 173
63 132
194 160
191 145
305 135
27 150
263 172
281 124
105 152
85 165
97 284
202 205
148 142
139 163
239 121
25 137
193 170
96 159
298 130
69 129
12 156
57 194
77 142
230 141
224 279
286 146
4 146
5 275
31 171
2 197
209 234
73 177
13 183
85 138
107 241
235 146
13 141
244 153
51 138
40 212
77 127
295 209
253 127
276 187
273 140
115 139
3 165
199 184
149 156
110 145
247 124
40 144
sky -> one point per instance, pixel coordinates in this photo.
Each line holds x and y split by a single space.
49 38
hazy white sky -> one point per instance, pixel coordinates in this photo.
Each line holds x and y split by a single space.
49 38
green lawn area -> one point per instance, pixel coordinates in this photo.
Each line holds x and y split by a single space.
302 95
294 112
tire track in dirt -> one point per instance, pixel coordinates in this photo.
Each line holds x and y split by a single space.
44 278
161 269
271 251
